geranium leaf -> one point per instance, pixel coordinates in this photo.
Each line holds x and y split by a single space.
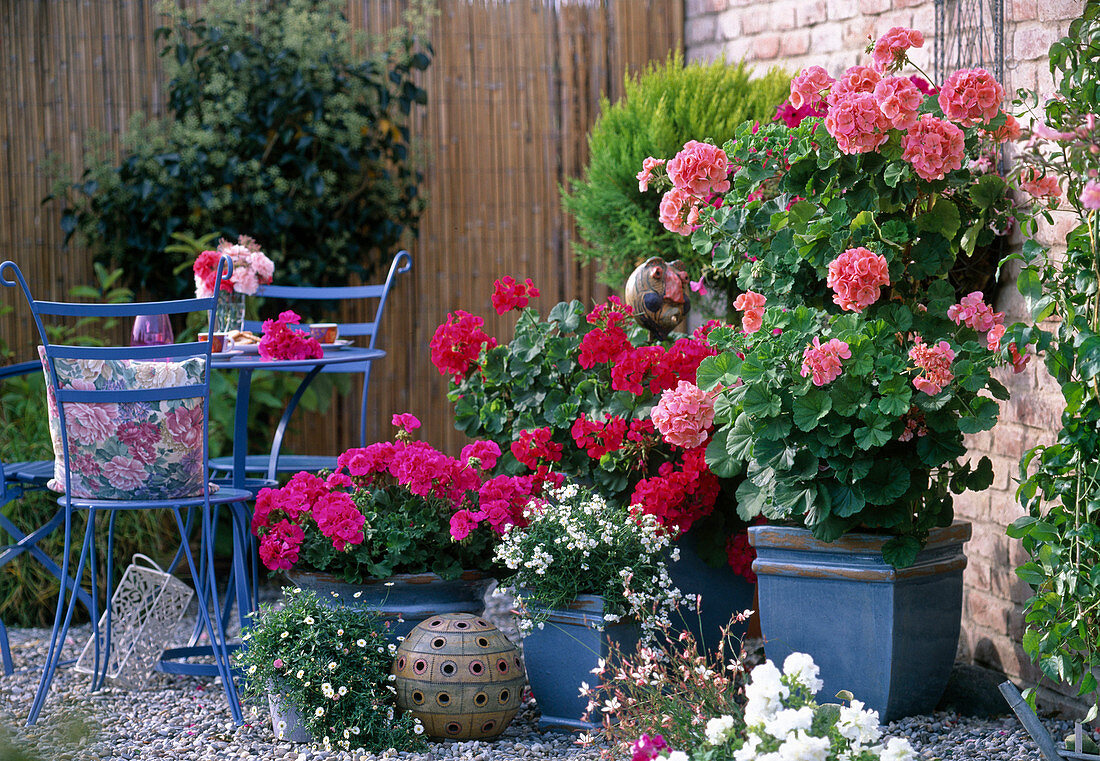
901 551
810 408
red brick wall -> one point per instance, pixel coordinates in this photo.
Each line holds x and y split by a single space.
833 34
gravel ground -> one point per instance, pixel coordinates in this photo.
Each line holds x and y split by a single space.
187 718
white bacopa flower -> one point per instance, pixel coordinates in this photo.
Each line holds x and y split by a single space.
319 711
300 674
787 721
284 635
357 595
418 728
858 725
898 749
309 620
719 729
677 755
332 665
251 669
803 747
802 668
339 632
361 642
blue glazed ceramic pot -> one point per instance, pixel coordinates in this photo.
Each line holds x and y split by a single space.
403 600
887 635
562 654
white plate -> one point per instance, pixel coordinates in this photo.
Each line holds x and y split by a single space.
226 354
247 348
339 343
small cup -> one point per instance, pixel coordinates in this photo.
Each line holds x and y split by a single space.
221 342
325 332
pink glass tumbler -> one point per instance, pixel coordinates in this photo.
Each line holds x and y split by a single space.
151 330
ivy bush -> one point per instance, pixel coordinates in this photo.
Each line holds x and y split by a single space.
660 110
278 129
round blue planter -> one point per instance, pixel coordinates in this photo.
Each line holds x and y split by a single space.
723 593
402 600
887 635
562 654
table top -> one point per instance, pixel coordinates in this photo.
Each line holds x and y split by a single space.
331 357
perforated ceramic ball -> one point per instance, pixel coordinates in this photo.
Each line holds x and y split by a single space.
460 676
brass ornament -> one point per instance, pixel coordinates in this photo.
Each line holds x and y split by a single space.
460 676
658 293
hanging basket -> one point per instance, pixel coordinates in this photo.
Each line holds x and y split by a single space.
145 610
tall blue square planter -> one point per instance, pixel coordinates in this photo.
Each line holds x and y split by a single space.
561 655
887 635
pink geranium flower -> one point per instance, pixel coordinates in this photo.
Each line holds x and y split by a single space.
808 88
752 304
822 360
857 79
856 277
684 414
1090 195
890 49
280 341
971 96
933 147
457 342
462 523
508 294
406 421
700 169
280 546
934 363
857 123
646 175
1040 185
339 519
1010 130
899 100
975 313
679 211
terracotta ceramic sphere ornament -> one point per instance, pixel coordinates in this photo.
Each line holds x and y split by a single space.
658 293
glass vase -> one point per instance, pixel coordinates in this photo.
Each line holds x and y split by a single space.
230 314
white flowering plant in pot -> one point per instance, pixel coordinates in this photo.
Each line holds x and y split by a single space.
574 542
782 721
331 664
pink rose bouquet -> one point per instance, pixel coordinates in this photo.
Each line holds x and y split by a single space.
394 507
251 268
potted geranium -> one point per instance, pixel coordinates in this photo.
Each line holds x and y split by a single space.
251 269
585 572
324 672
575 394
398 526
845 397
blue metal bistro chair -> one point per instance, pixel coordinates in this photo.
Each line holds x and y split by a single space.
130 433
367 331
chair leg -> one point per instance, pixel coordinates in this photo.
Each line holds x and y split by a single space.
221 654
64 614
99 673
5 651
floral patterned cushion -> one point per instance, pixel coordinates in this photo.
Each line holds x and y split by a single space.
128 450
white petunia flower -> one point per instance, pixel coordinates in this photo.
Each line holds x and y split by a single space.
747 752
787 721
858 725
719 730
803 747
898 749
801 666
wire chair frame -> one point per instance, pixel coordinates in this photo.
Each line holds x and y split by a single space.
11 276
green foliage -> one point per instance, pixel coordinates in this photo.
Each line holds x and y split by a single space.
661 109
1060 483
331 663
278 129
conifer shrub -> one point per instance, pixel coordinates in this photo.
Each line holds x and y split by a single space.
661 109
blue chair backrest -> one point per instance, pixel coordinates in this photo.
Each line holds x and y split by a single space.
402 263
11 276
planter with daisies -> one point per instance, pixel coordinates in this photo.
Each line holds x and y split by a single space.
575 395
846 394
589 576
398 528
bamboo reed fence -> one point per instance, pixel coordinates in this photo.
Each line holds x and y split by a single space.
512 91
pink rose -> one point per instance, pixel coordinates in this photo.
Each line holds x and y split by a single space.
124 473
700 169
890 48
971 96
808 86
244 280
933 147
899 100
857 123
185 425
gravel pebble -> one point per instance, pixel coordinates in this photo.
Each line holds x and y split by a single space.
187 719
